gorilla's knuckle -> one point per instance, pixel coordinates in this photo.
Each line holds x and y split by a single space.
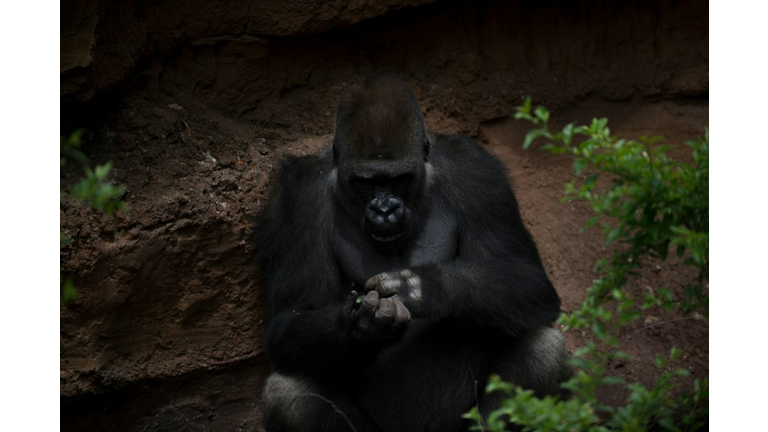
391 286
385 319
403 315
385 315
415 295
413 281
370 305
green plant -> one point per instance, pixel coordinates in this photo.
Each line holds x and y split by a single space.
647 205
93 189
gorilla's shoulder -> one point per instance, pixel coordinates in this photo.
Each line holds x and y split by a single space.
471 182
299 181
298 195
458 157
303 171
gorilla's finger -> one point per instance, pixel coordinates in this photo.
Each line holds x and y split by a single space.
402 314
368 308
389 287
371 283
385 315
349 304
365 315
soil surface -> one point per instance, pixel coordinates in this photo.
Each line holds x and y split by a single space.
167 332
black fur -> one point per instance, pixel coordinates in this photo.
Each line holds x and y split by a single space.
477 297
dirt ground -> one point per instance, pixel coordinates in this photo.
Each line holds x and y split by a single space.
167 333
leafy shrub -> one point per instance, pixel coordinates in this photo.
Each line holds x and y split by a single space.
654 204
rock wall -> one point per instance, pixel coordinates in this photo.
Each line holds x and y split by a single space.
277 63
103 41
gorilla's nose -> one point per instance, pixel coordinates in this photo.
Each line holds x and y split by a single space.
383 210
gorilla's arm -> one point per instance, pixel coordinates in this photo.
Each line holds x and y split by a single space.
508 292
313 324
497 279
312 341
306 332
335 337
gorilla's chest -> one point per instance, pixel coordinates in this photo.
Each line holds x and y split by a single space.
358 258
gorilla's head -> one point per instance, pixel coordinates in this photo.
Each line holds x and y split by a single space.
381 150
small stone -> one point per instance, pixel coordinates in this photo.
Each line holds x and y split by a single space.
650 320
175 107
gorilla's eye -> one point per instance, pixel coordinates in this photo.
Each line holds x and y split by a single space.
401 183
363 186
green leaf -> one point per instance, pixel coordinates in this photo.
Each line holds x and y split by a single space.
628 316
599 330
613 235
590 181
579 164
675 353
589 224
495 384
579 363
581 130
68 292
611 380
531 136
549 147
581 351
542 114
568 133
526 105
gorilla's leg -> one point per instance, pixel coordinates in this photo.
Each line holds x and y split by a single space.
299 404
536 361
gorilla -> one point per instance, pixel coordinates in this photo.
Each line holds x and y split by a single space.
400 277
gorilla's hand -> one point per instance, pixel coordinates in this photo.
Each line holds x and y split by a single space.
377 318
401 286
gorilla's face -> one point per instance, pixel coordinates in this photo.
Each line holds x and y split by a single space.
380 150
386 196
